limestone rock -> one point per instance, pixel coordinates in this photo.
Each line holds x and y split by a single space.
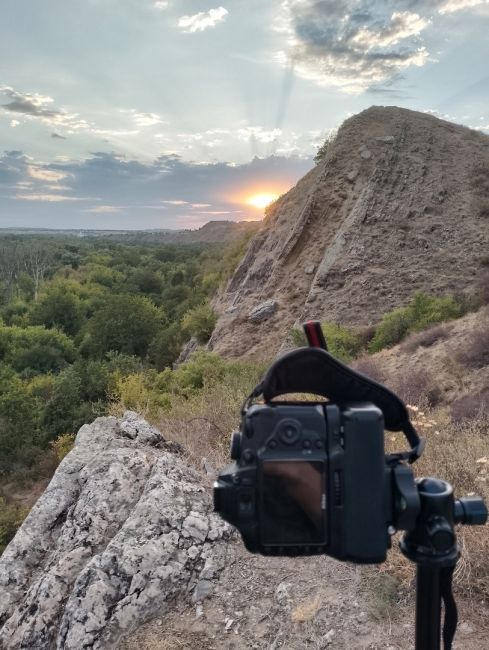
263 311
123 527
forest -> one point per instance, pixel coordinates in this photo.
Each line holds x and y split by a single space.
79 314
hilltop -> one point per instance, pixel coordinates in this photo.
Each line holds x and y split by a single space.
399 203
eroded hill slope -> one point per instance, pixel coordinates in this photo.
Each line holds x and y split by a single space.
400 203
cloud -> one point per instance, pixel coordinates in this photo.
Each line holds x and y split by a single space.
44 174
351 45
203 20
161 193
50 198
14 123
450 6
58 136
161 4
105 209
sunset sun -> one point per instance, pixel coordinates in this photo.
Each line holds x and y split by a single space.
261 200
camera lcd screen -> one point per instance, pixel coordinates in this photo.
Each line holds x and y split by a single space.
293 502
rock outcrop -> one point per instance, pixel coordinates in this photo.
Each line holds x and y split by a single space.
399 203
123 528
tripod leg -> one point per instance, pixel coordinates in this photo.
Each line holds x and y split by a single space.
428 608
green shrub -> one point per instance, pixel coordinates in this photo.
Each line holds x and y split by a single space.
200 322
421 312
35 349
343 343
11 517
62 445
59 307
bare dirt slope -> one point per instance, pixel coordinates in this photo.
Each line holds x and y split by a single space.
399 203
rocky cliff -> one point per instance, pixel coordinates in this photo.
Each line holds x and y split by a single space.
399 203
123 528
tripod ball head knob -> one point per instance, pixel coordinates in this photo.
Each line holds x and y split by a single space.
471 511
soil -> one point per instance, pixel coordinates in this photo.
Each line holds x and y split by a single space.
269 603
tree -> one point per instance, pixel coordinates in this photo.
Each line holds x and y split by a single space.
59 307
200 322
33 350
36 258
125 323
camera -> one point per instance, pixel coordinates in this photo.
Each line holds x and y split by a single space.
312 477
309 478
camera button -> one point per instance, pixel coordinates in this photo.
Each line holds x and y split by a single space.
318 444
306 444
248 455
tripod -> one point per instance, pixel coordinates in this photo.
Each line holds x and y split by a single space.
431 544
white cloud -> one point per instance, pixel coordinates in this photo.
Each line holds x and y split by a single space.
161 4
203 20
51 198
258 134
176 202
450 6
104 209
14 123
48 175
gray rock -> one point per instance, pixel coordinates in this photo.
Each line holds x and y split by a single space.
386 139
366 154
123 527
351 176
263 311
309 269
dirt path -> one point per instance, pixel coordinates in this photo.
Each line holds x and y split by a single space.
269 603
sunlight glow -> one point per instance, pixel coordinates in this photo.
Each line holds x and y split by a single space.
261 200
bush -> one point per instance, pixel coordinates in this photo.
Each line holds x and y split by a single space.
125 323
200 322
11 517
425 339
470 407
62 445
475 353
420 313
342 342
418 387
35 349
370 367
59 307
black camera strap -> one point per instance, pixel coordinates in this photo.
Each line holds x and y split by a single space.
315 371
451 615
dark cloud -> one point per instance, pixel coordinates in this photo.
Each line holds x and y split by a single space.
354 45
108 190
28 103
57 136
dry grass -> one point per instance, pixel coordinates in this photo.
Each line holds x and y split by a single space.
475 353
370 367
307 610
458 454
417 387
425 339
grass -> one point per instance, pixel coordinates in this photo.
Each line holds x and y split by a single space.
457 453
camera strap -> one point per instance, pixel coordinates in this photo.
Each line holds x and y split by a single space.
313 370
451 615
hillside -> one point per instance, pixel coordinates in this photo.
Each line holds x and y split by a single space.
399 203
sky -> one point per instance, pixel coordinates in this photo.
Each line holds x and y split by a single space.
143 114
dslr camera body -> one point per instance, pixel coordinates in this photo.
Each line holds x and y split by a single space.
312 477
309 478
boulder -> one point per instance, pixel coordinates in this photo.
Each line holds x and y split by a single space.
123 528
263 311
